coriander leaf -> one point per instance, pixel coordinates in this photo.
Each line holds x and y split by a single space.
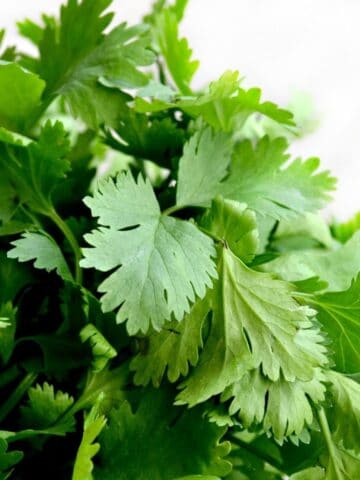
339 313
8 459
344 414
255 322
340 464
224 106
81 74
93 425
101 349
173 349
302 232
312 473
13 278
337 267
163 263
344 231
36 169
21 92
202 166
283 407
46 407
7 331
42 248
175 50
258 178
235 224
158 140
183 442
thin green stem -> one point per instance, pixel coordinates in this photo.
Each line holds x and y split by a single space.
258 453
325 430
68 234
173 209
17 395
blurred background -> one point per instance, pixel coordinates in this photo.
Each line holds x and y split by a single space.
305 53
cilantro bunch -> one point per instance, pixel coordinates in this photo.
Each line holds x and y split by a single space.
172 306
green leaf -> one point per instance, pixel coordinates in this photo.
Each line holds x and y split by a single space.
158 140
202 166
235 224
183 442
93 425
224 106
13 278
339 314
175 50
344 231
102 351
42 248
258 178
162 263
302 232
283 407
36 169
7 331
255 322
344 414
313 473
341 464
83 75
337 267
173 349
8 459
20 96
46 407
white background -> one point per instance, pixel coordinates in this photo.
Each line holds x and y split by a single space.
282 46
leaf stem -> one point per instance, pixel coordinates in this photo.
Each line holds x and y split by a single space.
324 426
70 237
17 395
258 453
173 209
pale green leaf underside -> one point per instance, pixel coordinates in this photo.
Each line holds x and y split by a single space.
282 407
337 267
256 322
45 252
203 165
163 264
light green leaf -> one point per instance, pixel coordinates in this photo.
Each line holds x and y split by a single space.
344 231
183 442
102 351
255 322
224 106
42 248
258 178
302 232
344 414
339 314
202 166
7 331
84 75
20 96
282 407
313 473
235 224
175 50
337 267
173 349
45 408
341 464
162 263
93 425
